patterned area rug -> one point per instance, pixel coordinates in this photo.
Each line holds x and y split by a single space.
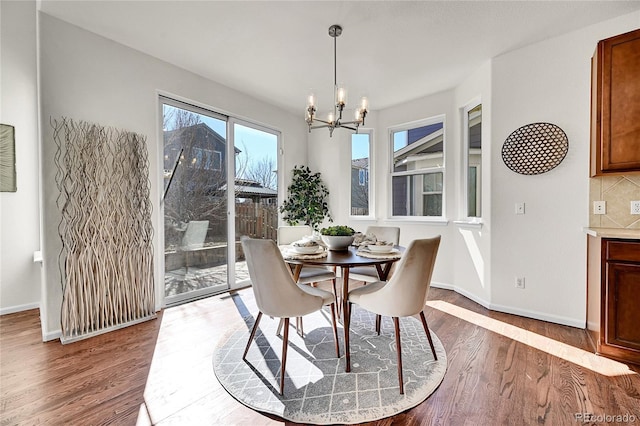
317 389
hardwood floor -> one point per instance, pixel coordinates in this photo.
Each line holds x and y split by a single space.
503 369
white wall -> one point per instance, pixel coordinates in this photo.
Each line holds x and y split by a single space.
87 77
546 82
19 211
437 104
472 272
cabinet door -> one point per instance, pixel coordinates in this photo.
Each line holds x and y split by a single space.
615 106
623 305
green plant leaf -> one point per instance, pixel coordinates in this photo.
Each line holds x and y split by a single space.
306 199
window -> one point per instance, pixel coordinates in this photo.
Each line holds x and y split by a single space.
472 136
360 164
417 169
363 177
217 160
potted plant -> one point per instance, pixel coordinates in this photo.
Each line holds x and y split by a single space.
306 201
337 237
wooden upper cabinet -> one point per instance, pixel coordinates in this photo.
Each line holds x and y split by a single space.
615 105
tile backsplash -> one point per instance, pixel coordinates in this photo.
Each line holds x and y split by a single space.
618 192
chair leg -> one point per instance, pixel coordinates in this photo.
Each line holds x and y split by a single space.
285 345
299 326
335 328
396 322
252 335
378 323
335 294
426 330
347 320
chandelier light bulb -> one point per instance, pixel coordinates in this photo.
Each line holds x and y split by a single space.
311 100
341 97
331 118
364 104
358 114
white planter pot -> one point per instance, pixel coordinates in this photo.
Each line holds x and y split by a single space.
337 242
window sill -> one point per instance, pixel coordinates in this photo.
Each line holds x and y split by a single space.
436 221
363 218
468 224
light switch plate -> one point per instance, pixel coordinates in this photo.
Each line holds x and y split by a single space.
635 207
519 208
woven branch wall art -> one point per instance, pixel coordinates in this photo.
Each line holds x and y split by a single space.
535 148
106 261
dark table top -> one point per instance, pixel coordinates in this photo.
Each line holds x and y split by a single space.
344 258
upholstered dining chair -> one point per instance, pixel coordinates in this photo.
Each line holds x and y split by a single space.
369 274
308 274
405 294
277 295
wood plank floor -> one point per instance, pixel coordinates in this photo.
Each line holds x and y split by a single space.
502 369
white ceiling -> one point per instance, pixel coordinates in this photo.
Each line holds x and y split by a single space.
279 51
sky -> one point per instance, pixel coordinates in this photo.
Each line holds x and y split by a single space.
256 144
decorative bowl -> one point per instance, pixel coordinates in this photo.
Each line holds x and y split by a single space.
337 242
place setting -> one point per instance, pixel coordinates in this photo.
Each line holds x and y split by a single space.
304 249
369 246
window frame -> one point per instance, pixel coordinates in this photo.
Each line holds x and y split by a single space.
440 118
464 213
371 172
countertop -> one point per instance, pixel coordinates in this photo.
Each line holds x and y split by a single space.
631 234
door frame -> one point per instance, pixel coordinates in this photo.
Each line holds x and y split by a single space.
231 121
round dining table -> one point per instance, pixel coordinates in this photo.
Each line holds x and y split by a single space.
345 259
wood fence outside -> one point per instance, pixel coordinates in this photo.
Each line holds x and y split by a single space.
257 220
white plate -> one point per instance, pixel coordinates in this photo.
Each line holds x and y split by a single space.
380 249
307 250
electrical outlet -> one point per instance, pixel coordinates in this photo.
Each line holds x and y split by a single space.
599 207
519 208
520 282
635 207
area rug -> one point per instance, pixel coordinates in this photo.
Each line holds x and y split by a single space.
317 389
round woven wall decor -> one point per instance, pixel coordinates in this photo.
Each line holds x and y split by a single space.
535 148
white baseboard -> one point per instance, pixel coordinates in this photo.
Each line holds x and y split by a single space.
571 322
19 308
463 292
52 335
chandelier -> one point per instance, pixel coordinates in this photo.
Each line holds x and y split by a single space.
334 119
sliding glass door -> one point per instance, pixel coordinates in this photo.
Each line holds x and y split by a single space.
220 182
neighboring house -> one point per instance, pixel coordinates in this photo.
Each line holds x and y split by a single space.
360 186
202 148
422 148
